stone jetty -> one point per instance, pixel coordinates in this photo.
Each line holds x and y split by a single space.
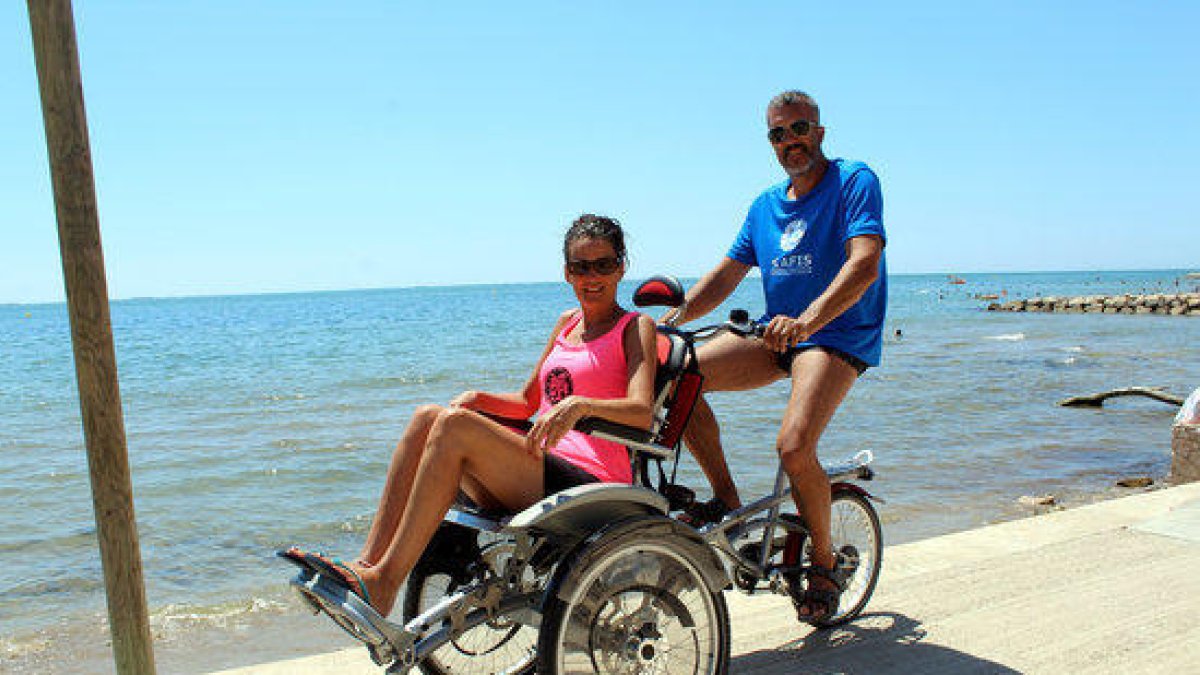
1172 304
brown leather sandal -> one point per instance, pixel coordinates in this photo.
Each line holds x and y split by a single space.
822 603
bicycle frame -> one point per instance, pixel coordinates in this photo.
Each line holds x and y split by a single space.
717 534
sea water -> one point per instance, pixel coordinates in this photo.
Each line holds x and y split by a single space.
259 421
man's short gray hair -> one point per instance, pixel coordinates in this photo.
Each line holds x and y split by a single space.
791 97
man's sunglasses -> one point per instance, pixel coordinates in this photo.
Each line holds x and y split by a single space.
602 266
799 129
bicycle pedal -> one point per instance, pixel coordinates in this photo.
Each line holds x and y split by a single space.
777 582
678 496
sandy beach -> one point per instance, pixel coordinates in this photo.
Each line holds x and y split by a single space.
1105 588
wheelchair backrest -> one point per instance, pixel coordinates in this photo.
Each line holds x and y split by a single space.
677 386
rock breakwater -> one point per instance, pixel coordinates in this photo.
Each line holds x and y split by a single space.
1172 304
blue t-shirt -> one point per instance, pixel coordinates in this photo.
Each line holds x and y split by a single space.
800 245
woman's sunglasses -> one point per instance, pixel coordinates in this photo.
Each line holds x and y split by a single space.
602 266
799 129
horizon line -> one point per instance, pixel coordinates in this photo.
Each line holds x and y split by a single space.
469 284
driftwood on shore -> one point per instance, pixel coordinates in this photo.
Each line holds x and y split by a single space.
1097 400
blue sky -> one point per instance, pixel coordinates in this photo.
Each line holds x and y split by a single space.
279 146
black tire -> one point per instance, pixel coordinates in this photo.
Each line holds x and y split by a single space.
635 595
858 536
495 647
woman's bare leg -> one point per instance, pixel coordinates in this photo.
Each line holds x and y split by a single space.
462 445
396 489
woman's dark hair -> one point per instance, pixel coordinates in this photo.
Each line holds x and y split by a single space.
591 226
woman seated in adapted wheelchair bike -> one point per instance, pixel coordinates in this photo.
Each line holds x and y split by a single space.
599 362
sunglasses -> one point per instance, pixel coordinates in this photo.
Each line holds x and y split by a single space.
799 129
601 266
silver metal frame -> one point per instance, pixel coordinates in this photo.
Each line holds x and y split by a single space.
576 513
718 536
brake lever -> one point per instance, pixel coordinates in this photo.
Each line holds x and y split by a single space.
739 323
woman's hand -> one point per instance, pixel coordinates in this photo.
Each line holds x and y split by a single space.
550 428
465 400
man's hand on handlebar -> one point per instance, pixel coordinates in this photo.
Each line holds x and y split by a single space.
784 332
673 316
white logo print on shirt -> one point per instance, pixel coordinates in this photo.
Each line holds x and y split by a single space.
796 263
793 234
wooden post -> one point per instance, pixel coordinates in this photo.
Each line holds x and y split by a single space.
61 88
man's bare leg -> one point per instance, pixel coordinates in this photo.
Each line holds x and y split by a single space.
728 363
820 381
703 438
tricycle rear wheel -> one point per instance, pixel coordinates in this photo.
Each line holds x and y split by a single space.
635 599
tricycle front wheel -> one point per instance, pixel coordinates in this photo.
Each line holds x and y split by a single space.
498 646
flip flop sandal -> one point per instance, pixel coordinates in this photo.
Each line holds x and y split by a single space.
338 572
295 556
298 557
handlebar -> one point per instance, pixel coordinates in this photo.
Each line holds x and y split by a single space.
738 323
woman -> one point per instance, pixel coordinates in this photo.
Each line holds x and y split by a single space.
598 362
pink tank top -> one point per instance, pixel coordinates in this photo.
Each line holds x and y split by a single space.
595 369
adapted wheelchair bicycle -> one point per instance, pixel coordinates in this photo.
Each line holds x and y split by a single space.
600 578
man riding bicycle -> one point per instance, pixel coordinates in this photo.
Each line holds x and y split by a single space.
818 239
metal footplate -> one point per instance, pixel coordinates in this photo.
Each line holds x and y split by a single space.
857 467
387 642
399 648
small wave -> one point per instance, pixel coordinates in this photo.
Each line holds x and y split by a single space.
277 397
178 618
1007 337
82 536
1073 350
385 382
60 583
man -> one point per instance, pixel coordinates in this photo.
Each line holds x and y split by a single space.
818 239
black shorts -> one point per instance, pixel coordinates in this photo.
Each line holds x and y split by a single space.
784 360
559 474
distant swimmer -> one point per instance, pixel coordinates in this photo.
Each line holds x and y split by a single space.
899 335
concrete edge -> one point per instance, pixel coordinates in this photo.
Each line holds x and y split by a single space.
919 557
1026 534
